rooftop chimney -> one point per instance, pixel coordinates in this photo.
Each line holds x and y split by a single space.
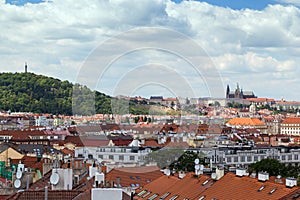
181 174
240 172
263 176
290 182
278 179
219 172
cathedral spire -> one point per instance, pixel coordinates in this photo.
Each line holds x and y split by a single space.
227 91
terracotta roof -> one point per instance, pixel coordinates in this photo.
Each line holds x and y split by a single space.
295 120
22 135
246 122
178 144
188 187
260 99
139 176
153 143
232 187
72 139
67 151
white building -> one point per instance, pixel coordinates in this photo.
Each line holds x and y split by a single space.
115 154
290 126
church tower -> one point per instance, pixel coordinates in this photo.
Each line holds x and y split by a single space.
25 67
227 92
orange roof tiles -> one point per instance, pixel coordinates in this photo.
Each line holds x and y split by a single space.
134 175
232 187
260 99
295 120
246 122
188 187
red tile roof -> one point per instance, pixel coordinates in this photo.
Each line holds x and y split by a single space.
295 120
246 122
232 187
134 175
189 187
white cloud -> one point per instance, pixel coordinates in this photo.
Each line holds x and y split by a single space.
56 37
295 2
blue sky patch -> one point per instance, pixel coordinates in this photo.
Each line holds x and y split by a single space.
239 4
22 2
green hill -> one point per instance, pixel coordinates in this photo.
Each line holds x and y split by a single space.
28 92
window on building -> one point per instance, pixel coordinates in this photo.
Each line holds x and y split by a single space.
236 159
121 157
249 158
100 156
289 157
111 157
131 157
283 157
242 158
295 157
229 159
255 158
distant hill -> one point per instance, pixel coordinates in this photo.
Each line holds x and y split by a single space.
28 92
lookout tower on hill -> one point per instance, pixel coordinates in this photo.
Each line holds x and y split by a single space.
25 67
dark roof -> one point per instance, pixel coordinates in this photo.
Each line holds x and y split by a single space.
156 98
39 149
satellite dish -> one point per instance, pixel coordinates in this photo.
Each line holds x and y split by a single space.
197 167
17 183
54 179
201 167
196 161
19 174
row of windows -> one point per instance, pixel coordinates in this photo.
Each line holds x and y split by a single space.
244 159
290 128
121 157
257 158
112 150
290 124
289 157
290 132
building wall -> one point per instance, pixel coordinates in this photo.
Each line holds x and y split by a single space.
114 154
10 153
290 129
237 157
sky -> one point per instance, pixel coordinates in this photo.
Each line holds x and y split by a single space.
159 47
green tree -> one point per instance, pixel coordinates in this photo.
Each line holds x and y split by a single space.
186 162
164 157
272 166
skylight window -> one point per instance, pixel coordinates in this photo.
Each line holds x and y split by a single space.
174 197
205 182
153 197
141 193
273 190
201 198
146 194
164 196
261 188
